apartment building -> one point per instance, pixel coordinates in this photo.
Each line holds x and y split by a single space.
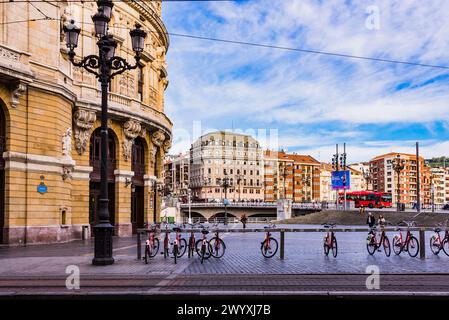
220 156
291 176
385 179
176 174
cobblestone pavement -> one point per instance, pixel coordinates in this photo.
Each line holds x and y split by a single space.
229 285
303 255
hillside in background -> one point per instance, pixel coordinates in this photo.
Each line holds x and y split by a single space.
438 162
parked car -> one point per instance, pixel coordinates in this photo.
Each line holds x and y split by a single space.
446 206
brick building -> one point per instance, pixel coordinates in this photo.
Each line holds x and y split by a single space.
291 176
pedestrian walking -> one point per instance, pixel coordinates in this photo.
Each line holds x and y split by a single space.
243 219
370 220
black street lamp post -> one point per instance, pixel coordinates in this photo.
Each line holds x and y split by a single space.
225 183
398 165
105 66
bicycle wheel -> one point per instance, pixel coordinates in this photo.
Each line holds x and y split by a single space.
166 253
199 246
434 246
334 247
413 247
397 245
191 246
446 246
326 248
387 247
182 247
269 247
155 248
147 254
175 252
217 247
371 247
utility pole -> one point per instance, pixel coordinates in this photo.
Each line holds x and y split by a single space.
418 184
335 167
343 164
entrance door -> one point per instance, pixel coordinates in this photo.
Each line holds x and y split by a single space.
94 203
2 173
94 185
137 208
137 195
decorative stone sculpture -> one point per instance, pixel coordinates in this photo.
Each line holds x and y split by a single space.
83 122
17 92
131 128
157 138
67 143
167 145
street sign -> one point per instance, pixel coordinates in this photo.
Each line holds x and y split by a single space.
341 180
226 202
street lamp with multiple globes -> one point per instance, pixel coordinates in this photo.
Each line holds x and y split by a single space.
398 165
105 66
225 183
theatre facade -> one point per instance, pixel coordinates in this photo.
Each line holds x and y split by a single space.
50 117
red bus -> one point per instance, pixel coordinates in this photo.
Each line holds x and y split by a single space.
368 199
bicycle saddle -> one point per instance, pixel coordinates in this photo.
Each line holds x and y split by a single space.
437 229
177 229
204 231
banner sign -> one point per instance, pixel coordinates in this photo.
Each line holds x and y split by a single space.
341 180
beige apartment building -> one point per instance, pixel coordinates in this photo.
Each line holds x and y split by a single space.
439 185
176 175
222 155
384 178
327 194
50 118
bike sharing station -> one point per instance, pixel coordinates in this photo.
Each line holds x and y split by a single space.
274 230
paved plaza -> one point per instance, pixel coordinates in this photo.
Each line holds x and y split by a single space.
304 265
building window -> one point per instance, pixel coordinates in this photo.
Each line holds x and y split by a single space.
140 83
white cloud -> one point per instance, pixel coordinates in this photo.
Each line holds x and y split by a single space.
215 82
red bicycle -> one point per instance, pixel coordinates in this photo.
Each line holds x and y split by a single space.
269 246
330 241
409 244
179 244
151 244
372 245
192 241
202 246
437 243
217 245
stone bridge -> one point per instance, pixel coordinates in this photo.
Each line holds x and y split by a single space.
252 210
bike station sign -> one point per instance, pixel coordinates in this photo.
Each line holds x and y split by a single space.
341 180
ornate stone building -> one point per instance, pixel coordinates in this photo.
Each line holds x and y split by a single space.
49 120
225 155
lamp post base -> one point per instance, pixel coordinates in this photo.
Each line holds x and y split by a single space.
103 244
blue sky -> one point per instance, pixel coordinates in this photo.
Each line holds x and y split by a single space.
309 101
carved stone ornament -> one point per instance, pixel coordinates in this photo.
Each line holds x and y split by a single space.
66 172
167 145
157 138
83 122
17 92
131 128
67 143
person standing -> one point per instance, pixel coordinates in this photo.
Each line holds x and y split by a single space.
370 220
243 219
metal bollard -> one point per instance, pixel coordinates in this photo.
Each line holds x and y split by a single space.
139 246
282 245
422 243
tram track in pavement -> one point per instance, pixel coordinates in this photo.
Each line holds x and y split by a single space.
230 284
